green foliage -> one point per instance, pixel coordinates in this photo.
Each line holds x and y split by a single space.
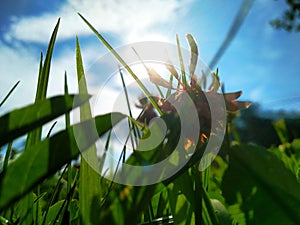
20 121
263 185
45 158
258 126
290 19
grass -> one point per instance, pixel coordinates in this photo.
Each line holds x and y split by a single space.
249 184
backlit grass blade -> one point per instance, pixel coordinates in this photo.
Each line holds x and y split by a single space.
181 61
89 187
68 124
45 158
102 159
194 53
130 123
9 93
169 89
20 121
124 64
155 78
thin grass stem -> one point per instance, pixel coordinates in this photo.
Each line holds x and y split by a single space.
9 93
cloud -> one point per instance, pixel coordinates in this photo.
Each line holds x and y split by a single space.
22 64
129 19
18 65
256 94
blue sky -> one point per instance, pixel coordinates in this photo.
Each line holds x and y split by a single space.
261 61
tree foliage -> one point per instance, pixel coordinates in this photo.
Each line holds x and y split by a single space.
290 19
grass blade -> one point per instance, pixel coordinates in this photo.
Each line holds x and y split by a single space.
20 121
130 123
169 89
181 61
9 93
54 194
238 21
68 124
89 188
124 64
7 155
194 53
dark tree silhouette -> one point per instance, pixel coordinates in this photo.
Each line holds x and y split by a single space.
256 126
290 20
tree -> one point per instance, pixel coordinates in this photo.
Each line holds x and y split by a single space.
290 20
257 126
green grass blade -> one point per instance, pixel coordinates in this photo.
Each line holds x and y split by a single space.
180 207
54 210
282 131
205 178
70 190
124 64
54 194
130 123
210 212
7 155
181 61
169 89
45 158
194 53
102 160
126 93
61 212
89 188
20 121
68 124
51 129
155 78
9 93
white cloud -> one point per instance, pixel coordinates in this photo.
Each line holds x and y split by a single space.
17 65
271 54
256 94
130 19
